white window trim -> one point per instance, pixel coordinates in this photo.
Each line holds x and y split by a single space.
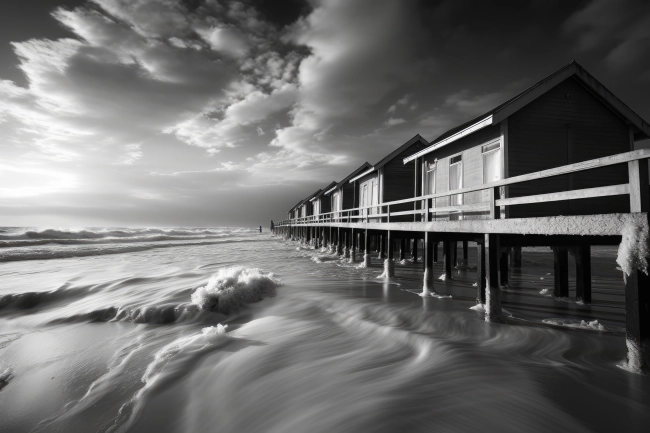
500 148
432 168
462 174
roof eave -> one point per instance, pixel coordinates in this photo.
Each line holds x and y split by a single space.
483 123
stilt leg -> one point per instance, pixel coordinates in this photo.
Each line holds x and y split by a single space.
561 275
503 266
447 258
492 291
480 273
583 274
427 285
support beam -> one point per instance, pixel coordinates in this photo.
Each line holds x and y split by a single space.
382 246
427 285
339 244
637 320
435 252
347 239
561 272
515 258
447 258
402 249
366 253
414 251
583 274
480 273
492 291
465 256
503 266
353 250
389 263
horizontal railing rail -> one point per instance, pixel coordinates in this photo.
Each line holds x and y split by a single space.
637 174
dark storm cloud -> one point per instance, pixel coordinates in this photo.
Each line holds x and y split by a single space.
212 112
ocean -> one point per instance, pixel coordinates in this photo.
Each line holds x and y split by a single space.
232 330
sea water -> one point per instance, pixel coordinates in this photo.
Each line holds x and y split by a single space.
230 330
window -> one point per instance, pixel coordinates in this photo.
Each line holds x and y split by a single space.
336 202
369 195
456 178
491 161
431 178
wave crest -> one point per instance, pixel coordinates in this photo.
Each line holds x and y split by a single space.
231 288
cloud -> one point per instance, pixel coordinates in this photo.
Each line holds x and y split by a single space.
620 26
358 57
394 121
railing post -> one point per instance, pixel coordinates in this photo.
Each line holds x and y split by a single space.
388 212
495 212
639 193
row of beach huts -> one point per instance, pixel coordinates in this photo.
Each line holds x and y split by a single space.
554 166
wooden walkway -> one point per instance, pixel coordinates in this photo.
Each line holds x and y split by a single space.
360 229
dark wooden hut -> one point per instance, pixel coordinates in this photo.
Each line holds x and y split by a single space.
343 195
566 118
389 180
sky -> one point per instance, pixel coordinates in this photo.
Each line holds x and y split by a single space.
227 113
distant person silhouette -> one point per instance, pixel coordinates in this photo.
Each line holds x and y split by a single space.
272 225
260 229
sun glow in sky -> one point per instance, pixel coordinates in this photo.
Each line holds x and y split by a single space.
206 112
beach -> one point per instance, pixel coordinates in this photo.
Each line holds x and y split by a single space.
232 330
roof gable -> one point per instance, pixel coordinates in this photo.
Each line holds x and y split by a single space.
516 103
366 165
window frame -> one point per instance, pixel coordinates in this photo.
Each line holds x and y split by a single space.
431 169
487 152
459 199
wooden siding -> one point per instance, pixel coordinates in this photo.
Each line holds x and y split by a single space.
399 181
348 196
554 130
470 148
325 204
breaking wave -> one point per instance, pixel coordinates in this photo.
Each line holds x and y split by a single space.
232 288
5 377
88 233
48 254
30 300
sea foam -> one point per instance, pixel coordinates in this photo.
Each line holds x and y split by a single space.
232 288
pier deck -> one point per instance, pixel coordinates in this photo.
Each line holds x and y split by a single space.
487 223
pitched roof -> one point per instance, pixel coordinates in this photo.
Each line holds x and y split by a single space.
309 197
324 190
363 166
514 104
297 204
394 154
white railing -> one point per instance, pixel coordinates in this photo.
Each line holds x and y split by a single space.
637 189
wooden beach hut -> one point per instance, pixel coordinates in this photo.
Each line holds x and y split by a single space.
306 208
343 196
389 180
321 203
568 117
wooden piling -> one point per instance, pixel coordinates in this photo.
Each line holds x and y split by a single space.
515 258
492 290
583 273
503 266
447 252
480 273
414 251
427 285
561 272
